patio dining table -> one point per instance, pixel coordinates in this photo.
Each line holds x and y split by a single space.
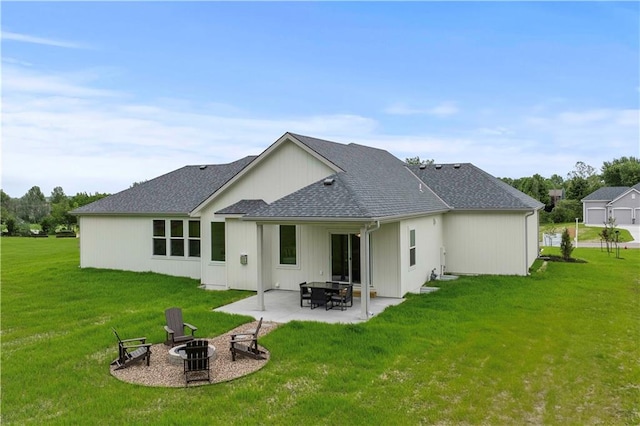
328 287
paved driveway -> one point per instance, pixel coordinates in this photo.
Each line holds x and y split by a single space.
634 230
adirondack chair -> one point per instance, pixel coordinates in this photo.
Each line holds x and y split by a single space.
246 344
130 350
175 328
196 361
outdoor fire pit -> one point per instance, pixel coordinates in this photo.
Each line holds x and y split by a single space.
176 353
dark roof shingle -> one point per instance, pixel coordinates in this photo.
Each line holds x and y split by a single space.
606 193
177 192
464 186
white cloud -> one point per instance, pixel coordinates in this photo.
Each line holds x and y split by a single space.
444 109
61 130
25 38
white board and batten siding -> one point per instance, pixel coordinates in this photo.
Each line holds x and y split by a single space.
489 243
428 243
126 243
287 169
386 260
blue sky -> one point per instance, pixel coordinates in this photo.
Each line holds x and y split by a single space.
97 96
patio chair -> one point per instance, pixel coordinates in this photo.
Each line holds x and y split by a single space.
196 361
342 298
175 328
305 294
320 297
246 344
130 350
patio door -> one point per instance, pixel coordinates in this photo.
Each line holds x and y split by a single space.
345 258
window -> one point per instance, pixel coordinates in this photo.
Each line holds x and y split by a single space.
194 238
169 238
177 238
218 242
412 247
159 238
288 245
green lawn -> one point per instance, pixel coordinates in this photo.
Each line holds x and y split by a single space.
585 233
558 347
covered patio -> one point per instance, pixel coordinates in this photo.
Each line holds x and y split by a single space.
282 306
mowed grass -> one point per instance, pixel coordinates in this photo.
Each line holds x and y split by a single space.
558 347
585 233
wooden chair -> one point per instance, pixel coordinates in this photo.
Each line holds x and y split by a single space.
305 294
196 361
246 344
320 297
130 350
175 328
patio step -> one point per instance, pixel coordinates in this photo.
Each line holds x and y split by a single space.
372 293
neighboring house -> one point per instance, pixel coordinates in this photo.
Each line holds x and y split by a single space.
621 203
556 195
312 210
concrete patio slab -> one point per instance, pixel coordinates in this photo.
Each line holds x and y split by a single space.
282 306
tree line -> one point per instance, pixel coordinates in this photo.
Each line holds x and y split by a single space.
52 213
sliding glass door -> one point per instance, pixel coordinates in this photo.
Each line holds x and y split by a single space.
345 258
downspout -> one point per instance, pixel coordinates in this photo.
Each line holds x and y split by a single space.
526 242
365 292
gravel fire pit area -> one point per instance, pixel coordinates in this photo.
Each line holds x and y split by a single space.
165 372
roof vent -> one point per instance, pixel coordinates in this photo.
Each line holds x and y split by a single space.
203 167
456 166
328 181
438 166
423 166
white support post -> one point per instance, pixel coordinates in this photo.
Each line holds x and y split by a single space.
364 274
260 284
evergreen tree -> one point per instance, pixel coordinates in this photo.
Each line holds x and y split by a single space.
566 247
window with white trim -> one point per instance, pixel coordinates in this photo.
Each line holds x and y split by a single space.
288 245
176 242
159 238
218 242
412 247
194 238
177 238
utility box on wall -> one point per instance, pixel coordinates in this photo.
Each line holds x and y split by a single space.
244 259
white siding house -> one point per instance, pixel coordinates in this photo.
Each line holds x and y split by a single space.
307 209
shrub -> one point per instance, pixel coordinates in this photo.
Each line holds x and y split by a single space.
566 247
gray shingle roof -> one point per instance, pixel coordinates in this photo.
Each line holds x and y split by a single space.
177 192
606 193
374 184
243 207
468 187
